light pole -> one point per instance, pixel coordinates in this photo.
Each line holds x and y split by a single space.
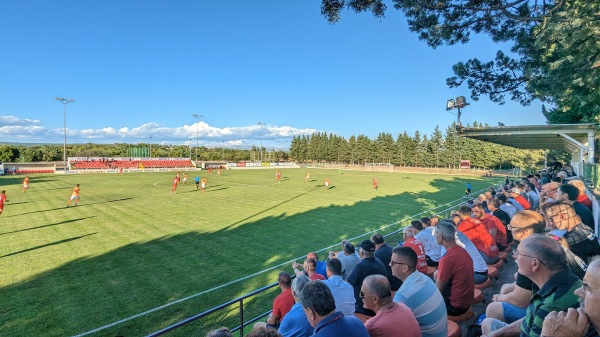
261 137
198 117
65 101
458 104
150 156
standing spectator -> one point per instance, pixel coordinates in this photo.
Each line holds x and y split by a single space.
319 306
391 319
419 293
417 246
295 323
282 305
455 273
369 265
342 291
383 252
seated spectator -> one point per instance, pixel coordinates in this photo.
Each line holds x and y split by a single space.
493 225
282 305
434 220
582 198
506 207
568 194
321 269
419 293
341 254
455 272
424 234
369 265
417 246
350 260
391 319
575 322
494 207
579 238
548 192
478 234
509 305
220 332
543 261
383 252
295 323
263 332
533 195
310 269
319 307
342 291
515 193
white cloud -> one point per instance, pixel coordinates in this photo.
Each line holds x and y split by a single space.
26 130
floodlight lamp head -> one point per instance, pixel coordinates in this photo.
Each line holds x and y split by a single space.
449 104
461 102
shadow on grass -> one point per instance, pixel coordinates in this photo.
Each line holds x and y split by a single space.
236 259
47 245
63 207
49 225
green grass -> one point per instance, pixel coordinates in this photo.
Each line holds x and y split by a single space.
130 246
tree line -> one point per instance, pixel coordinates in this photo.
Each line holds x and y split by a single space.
440 149
444 150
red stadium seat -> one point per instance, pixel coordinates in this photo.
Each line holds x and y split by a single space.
453 329
493 272
363 318
484 285
497 265
478 296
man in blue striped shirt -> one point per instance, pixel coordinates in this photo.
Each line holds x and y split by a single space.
419 293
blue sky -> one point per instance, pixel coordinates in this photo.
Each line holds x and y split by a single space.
141 69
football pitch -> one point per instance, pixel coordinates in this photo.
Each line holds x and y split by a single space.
133 258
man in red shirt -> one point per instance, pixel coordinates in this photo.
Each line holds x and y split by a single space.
479 235
515 193
455 275
282 305
417 246
493 225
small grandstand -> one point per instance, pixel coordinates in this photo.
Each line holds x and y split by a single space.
105 163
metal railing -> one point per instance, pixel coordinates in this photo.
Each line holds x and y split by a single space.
240 300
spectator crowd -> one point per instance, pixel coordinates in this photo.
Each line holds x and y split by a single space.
430 281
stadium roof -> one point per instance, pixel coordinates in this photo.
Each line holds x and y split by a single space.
567 137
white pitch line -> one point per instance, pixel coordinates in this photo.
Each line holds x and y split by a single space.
457 201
